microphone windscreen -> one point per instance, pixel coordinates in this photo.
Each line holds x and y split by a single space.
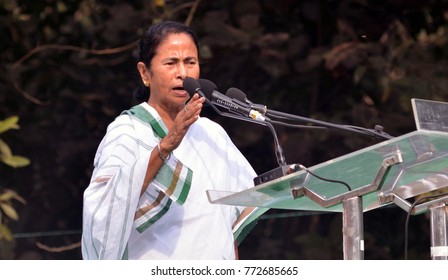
191 85
237 94
207 87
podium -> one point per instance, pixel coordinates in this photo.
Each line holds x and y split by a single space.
406 171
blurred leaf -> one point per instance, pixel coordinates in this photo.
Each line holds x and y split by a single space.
61 7
160 3
9 123
359 74
16 161
5 151
9 211
5 233
7 195
10 194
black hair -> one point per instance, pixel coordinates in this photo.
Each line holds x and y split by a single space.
149 43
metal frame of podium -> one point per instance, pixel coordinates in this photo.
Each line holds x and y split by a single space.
410 167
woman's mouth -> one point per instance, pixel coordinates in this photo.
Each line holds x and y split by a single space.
180 90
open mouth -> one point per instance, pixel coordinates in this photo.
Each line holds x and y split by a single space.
180 91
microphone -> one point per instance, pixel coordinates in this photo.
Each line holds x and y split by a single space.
192 86
231 104
235 96
238 94
207 89
207 86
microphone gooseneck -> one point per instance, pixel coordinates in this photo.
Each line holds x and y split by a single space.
208 89
239 107
376 133
237 94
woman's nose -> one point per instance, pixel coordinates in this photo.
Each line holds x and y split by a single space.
182 71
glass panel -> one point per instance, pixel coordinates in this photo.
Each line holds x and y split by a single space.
424 168
430 115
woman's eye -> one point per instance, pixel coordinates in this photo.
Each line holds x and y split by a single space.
191 62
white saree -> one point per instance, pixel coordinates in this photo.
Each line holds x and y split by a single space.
173 218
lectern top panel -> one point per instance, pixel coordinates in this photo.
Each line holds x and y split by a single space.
424 167
430 115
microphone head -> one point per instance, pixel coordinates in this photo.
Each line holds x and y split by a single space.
237 94
207 87
191 85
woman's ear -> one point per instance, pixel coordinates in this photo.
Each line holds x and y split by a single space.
144 73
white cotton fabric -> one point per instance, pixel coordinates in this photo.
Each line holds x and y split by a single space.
195 230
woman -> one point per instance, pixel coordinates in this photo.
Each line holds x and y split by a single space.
147 196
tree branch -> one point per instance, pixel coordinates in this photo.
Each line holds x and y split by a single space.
72 48
42 48
58 249
192 12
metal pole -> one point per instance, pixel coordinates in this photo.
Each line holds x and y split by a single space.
439 229
353 229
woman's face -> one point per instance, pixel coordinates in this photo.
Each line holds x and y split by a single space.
176 58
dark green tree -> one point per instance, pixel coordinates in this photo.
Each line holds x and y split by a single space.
68 68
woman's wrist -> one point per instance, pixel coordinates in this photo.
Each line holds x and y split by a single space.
163 155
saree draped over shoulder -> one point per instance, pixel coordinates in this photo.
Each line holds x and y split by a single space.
173 218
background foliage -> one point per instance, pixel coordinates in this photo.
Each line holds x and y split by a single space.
68 68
